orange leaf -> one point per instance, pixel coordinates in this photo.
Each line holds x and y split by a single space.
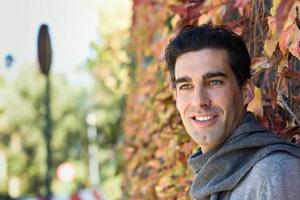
187 148
255 105
289 40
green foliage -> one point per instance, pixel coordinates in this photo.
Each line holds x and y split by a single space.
110 68
109 65
21 138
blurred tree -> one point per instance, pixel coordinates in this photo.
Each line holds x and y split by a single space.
110 68
21 127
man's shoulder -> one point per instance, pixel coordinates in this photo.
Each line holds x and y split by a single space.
278 160
277 165
276 174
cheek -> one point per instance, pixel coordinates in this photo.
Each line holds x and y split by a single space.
227 98
234 104
182 102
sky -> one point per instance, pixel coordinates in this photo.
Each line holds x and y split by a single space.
72 25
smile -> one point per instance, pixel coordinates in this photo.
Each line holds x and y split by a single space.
204 121
204 118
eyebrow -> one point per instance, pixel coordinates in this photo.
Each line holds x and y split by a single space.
214 74
183 79
205 77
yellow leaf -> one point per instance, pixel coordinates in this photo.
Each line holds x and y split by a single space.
258 63
274 7
270 45
255 105
272 25
272 39
203 19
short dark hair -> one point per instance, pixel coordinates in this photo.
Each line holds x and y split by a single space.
195 38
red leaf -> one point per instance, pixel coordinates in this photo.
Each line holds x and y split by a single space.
282 13
273 95
137 2
179 9
278 124
265 122
297 98
240 3
290 74
189 13
239 30
289 133
289 40
284 39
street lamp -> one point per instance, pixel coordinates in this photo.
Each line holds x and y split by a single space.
45 59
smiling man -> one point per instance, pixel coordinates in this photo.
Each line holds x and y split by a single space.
238 159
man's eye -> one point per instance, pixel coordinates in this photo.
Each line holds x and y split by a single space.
214 82
185 87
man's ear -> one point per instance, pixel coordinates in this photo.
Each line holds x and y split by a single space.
248 91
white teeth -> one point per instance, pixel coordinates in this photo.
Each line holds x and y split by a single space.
204 118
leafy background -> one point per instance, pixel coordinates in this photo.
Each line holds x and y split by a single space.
142 145
155 145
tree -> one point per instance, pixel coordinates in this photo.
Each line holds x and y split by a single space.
110 67
21 127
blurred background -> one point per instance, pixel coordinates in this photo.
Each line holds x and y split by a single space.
86 110
88 77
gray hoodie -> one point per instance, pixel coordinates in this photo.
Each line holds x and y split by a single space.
252 164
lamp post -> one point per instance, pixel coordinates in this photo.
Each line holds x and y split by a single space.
45 59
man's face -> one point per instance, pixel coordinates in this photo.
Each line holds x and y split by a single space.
208 97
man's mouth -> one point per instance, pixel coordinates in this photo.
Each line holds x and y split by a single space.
204 120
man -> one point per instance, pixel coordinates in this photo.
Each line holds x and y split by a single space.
238 159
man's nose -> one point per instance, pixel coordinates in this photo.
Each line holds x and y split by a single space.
201 97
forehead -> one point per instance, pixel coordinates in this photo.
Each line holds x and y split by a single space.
199 63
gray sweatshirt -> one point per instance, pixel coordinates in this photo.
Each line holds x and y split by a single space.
252 164
276 177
